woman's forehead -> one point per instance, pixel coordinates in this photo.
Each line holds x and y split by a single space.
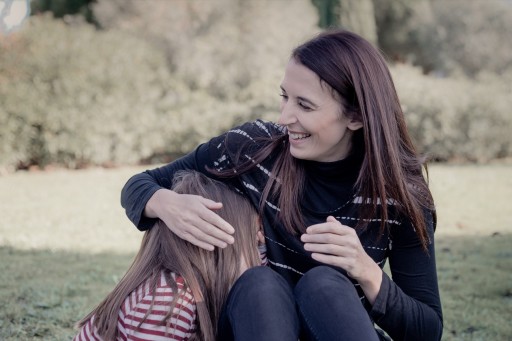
302 82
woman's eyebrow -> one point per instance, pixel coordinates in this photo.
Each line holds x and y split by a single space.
303 99
307 101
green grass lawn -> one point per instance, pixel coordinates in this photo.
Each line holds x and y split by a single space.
65 242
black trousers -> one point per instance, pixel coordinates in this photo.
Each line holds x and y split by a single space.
323 306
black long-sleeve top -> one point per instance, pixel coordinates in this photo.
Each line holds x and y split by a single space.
407 307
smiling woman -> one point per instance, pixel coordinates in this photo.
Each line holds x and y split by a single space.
318 127
340 190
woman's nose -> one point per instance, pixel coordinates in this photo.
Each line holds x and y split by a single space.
287 114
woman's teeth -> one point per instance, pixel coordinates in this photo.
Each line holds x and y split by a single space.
298 136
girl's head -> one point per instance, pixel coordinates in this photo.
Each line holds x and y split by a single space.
208 274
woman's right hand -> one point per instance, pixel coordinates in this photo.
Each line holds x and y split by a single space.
191 217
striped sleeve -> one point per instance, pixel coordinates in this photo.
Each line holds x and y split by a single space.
180 326
88 332
262 250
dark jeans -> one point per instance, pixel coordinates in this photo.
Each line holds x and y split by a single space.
324 306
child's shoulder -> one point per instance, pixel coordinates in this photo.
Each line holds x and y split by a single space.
153 300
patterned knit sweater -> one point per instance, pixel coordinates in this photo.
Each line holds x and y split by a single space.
180 326
407 307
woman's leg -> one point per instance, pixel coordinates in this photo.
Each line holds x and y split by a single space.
330 308
260 306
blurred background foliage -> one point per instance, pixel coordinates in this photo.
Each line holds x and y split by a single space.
116 82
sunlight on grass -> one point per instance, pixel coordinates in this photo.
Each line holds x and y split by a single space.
80 210
63 210
472 199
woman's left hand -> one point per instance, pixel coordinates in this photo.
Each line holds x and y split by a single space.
338 245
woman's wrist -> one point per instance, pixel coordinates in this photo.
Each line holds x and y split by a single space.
154 203
372 282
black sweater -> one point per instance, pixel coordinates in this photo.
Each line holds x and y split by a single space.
407 307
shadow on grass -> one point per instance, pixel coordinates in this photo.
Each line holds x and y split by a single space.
475 278
43 293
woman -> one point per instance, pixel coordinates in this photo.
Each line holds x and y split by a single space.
340 190
175 290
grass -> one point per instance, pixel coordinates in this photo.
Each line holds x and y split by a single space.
65 242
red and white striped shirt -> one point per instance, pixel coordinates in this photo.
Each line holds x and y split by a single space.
180 326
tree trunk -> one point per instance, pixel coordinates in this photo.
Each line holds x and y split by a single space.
358 16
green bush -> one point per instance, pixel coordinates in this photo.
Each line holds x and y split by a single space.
457 119
75 96
447 36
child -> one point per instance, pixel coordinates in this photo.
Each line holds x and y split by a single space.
175 290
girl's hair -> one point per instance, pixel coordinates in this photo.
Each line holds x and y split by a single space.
391 170
207 274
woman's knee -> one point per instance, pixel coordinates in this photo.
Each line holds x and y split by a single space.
260 278
329 306
261 290
324 280
260 282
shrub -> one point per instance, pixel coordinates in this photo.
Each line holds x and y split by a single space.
74 96
447 36
457 118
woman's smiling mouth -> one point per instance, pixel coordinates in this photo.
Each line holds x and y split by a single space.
298 136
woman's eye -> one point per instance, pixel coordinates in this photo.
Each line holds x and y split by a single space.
283 96
304 106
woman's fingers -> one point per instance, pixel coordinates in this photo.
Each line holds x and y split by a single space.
333 243
192 218
330 227
214 219
330 259
324 238
210 234
330 232
193 240
332 249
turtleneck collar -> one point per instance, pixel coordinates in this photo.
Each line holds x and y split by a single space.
336 171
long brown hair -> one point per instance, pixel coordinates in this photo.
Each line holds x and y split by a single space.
391 171
208 274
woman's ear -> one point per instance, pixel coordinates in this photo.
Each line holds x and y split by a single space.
354 124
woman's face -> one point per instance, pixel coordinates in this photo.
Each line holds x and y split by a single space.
317 128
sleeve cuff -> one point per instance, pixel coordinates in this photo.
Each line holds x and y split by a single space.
144 223
379 306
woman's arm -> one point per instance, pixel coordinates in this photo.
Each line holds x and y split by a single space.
409 307
147 196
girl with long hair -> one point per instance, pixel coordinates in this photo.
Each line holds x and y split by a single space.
173 289
340 189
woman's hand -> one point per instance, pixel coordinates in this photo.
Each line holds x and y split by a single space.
338 245
191 217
